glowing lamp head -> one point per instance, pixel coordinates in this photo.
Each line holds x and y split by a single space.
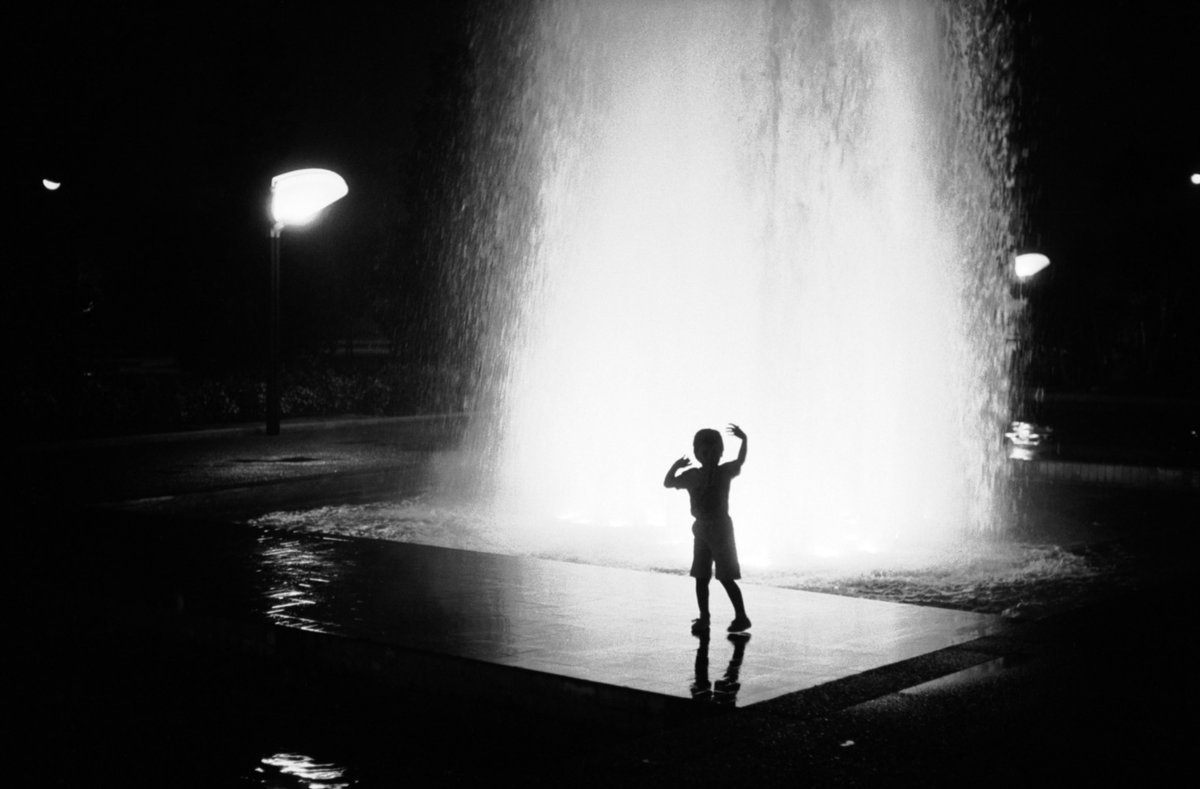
298 196
1029 264
50 185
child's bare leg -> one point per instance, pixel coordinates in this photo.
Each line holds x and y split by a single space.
739 608
735 597
702 597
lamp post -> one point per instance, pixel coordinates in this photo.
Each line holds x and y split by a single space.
1021 433
296 199
1025 266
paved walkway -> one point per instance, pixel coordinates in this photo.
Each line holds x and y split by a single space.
608 645
605 645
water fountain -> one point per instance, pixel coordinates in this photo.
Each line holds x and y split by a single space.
792 215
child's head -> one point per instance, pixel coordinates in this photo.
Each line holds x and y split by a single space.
708 446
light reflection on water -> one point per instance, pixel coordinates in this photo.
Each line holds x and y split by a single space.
296 769
1026 440
296 575
979 575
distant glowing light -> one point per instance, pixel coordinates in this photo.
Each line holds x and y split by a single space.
51 186
1024 434
1029 264
298 196
1196 178
1025 438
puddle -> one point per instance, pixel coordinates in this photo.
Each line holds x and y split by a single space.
1017 579
295 769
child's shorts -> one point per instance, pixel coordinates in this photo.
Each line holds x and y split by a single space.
714 543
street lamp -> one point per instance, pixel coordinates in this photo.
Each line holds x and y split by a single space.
1024 436
1028 264
296 199
1024 267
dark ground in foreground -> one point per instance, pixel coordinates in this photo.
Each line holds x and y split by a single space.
94 695
1098 692
1101 696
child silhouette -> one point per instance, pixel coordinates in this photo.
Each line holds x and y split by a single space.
708 489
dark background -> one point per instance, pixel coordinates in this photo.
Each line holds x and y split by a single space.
165 126
1108 117
165 129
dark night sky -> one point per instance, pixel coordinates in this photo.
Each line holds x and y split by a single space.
1109 112
165 127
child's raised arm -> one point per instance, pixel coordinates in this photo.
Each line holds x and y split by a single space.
670 481
737 431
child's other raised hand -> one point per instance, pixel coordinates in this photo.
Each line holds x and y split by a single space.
683 462
736 431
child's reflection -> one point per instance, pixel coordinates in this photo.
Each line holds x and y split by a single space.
726 688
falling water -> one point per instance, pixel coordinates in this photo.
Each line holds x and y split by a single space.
791 215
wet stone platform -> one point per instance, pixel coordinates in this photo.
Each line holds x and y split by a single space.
591 643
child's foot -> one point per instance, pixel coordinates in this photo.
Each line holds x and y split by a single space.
700 625
739 624
730 686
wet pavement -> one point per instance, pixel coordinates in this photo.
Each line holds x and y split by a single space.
580 641
399 661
